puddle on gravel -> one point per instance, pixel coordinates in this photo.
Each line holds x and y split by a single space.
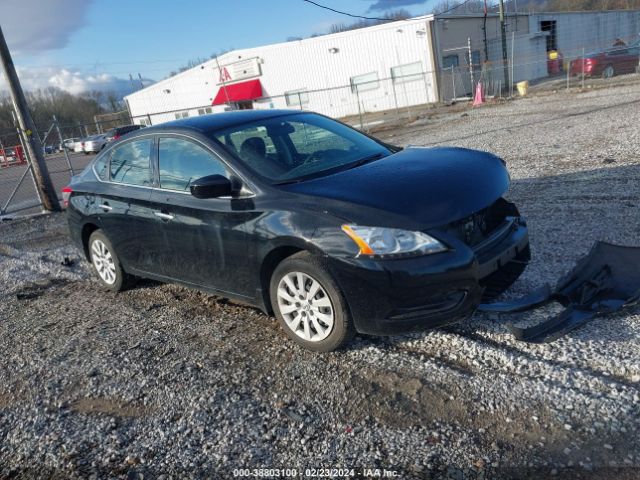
108 406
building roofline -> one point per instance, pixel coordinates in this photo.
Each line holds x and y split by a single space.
525 13
584 12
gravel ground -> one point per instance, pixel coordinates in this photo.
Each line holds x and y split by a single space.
164 382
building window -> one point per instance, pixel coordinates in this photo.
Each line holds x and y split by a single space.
550 26
408 72
204 111
450 61
476 60
362 83
184 114
297 98
145 122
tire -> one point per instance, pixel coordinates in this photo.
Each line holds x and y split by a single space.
321 323
608 71
105 263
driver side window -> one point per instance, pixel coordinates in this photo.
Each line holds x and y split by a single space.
183 161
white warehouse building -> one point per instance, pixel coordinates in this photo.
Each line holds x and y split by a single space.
389 66
326 74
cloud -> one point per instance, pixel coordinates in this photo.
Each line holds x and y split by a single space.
32 26
381 5
73 81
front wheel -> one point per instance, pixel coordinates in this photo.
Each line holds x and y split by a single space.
309 305
106 264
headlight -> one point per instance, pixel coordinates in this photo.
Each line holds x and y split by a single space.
391 242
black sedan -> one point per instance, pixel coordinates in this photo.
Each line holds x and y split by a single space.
332 230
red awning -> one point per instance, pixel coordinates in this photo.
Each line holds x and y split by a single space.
238 92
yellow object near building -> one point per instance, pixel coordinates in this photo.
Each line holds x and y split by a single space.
523 87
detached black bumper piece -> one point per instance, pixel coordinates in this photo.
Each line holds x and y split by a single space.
603 282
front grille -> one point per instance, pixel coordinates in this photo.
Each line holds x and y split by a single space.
475 228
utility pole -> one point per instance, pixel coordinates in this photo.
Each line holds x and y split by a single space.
32 142
503 32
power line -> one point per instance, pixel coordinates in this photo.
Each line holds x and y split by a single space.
380 18
348 14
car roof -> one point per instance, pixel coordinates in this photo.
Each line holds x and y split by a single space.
218 121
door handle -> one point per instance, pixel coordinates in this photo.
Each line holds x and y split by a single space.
163 216
106 207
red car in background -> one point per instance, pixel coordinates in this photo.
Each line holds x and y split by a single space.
613 61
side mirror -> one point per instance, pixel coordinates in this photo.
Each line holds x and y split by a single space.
211 186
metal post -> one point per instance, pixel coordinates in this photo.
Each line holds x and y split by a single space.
426 87
359 110
395 95
470 63
46 135
568 71
299 100
513 45
582 79
503 33
149 119
34 149
453 81
64 149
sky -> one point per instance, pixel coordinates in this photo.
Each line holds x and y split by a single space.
80 45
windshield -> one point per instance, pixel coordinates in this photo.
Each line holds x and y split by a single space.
299 146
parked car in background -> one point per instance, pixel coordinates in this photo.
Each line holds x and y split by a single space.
115 133
70 143
94 143
8 155
616 60
78 146
334 231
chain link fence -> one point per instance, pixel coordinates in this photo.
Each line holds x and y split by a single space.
64 156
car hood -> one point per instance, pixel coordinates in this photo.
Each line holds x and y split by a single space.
428 186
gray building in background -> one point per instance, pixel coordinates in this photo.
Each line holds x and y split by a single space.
471 42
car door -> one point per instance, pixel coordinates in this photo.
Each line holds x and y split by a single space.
123 199
199 241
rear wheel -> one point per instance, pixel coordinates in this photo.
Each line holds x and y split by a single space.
106 264
608 72
309 305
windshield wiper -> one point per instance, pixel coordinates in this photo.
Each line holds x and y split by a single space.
347 166
288 182
364 160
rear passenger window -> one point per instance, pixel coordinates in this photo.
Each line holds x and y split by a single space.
130 163
100 167
181 162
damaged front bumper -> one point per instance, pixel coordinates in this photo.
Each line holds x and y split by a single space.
403 295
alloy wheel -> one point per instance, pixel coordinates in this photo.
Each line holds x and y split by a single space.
608 72
305 306
103 261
